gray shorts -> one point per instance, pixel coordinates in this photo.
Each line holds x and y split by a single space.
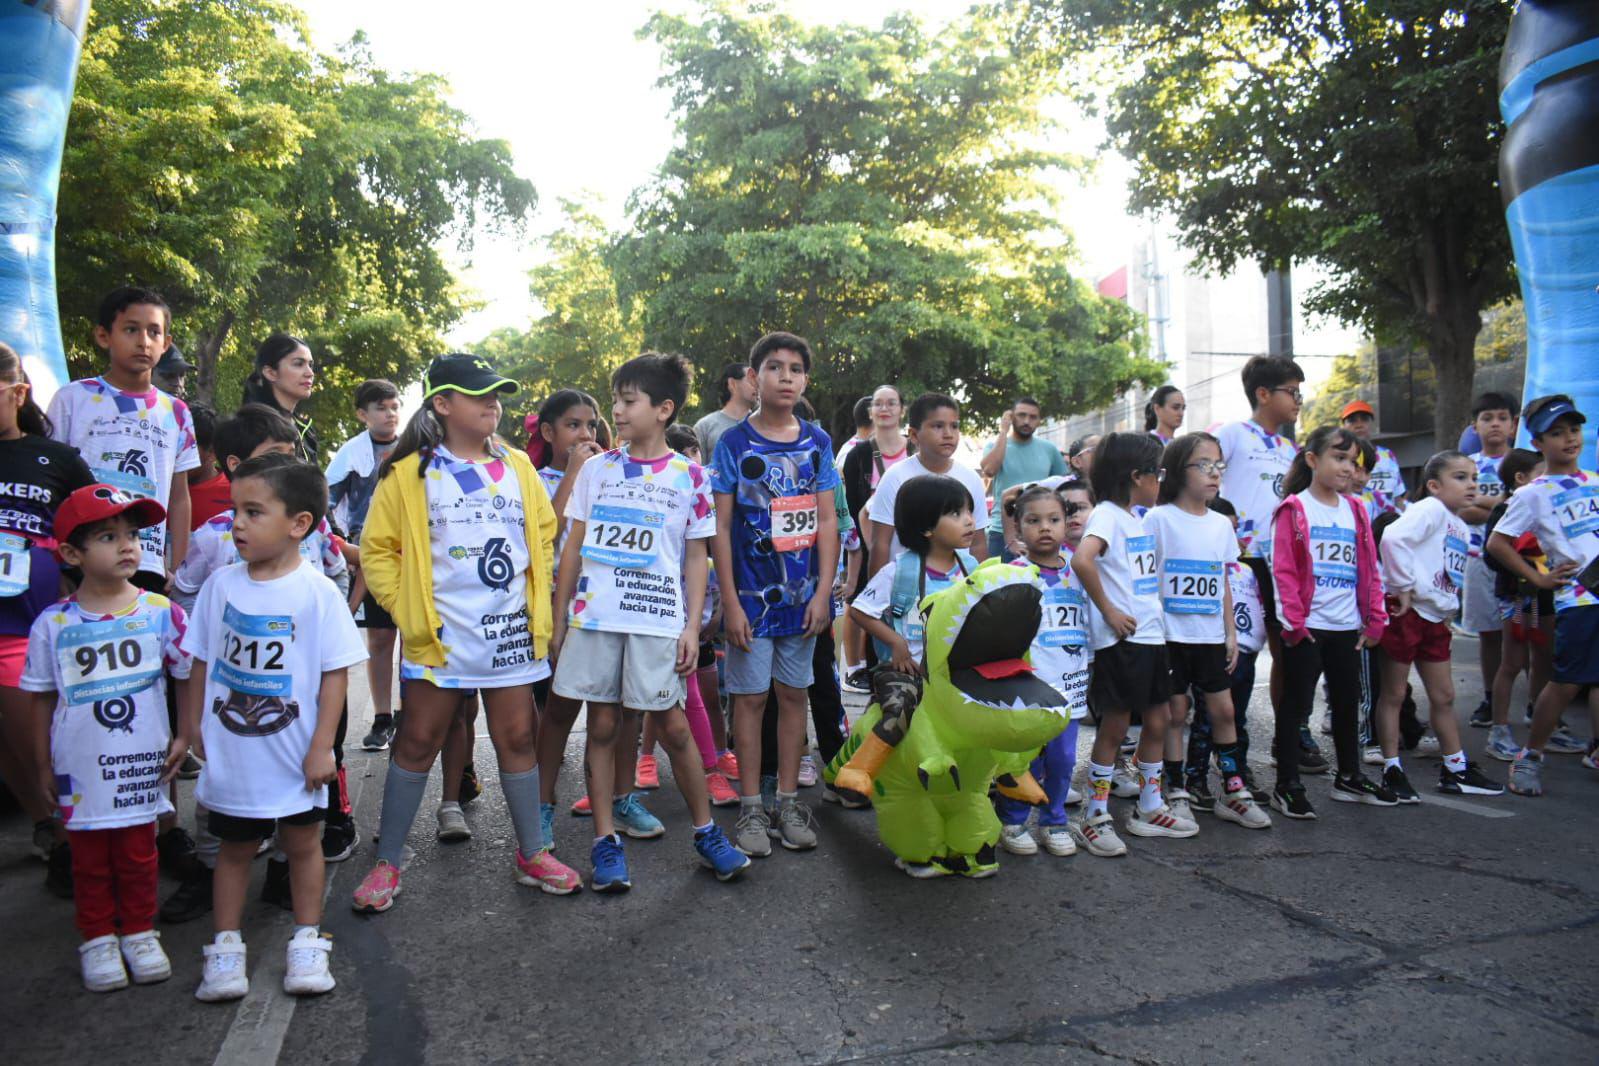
634 670
1479 610
783 659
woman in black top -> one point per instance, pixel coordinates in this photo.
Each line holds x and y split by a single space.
283 378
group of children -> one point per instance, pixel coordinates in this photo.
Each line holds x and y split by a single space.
639 579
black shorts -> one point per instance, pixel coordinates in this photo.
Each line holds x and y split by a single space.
707 656
541 692
1129 677
1268 593
236 830
1201 666
372 616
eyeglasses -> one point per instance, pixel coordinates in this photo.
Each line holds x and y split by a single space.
1292 391
885 403
1159 472
1208 466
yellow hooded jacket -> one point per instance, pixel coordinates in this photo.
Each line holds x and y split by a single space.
397 558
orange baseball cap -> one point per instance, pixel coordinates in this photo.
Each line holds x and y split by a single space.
1357 407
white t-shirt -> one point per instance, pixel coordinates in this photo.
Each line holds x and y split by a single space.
1335 562
1424 552
1128 573
1249 616
478 533
1192 553
1257 462
134 442
267 645
1562 511
211 548
637 518
1490 490
1062 651
881 507
108 735
876 598
1386 481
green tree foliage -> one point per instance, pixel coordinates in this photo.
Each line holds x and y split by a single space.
213 154
1360 133
881 192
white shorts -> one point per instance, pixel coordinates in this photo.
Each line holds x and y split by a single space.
1479 610
634 670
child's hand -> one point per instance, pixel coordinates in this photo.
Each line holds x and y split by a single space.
175 753
319 768
47 788
1121 623
1555 578
1362 643
736 624
1232 653
903 660
818 613
688 649
1399 603
557 638
582 452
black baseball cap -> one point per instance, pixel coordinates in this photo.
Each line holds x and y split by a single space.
1541 414
465 373
172 361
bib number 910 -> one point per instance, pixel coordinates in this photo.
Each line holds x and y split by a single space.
114 657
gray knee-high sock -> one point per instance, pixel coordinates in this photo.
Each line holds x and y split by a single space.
522 797
402 795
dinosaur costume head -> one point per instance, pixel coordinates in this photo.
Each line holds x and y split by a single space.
978 693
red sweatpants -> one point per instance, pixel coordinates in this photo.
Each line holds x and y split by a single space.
114 875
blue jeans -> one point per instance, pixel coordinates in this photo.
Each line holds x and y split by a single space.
1053 770
996 546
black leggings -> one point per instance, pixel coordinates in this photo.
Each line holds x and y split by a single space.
1331 653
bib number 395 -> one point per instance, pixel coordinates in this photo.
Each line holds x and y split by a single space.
793 522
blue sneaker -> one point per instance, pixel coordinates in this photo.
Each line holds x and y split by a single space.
547 824
716 853
634 820
610 866
1502 743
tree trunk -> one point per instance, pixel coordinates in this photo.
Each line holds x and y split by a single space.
207 350
1451 347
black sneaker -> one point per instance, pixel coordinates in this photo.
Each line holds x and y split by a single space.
1395 781
58 873
471 789
1200 797
1468 782
339 837
276 888
1292 802
176 849
1362 789
1483 716
1311 760
858 680
382 734
190 768
1257 791
192 899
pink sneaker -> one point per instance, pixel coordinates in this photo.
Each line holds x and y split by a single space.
727 763
376 893
721 793
646 775
547 872
581 808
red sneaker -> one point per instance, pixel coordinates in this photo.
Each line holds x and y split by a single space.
646 775
581 808
727 764
721 793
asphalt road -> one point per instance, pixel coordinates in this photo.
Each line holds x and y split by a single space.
1453 932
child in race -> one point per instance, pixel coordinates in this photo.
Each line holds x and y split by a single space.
935 434
933 519
1194 546
1493 416
1528 615
1060 654
1561 509
457 549
776 552
1116 565
272 642
1387 484
632 585
1423 568
210 492
1329 604
95 662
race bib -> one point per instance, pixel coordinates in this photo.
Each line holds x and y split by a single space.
793 522
113 657
1455 551
1192 586
1065 622
625 537
1332 556
131 482
254 655
16 564
1577 510
1141 560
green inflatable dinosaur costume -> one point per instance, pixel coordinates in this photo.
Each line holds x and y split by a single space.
983 714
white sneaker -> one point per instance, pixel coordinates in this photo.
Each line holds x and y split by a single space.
1372 755
1240 807
102 964
807 771
452 823
307 973
1058 840
146 961
1098 835
1427 747
1017 840
224 977
1160 823
1073 797
1177 799
1124 783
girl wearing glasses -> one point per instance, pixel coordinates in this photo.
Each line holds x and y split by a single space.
1193 548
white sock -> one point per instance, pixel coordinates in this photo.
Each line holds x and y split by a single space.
1456 762
1392 764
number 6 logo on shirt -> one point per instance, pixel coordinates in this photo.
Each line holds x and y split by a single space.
494 566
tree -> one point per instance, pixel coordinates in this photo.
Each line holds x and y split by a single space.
882 193
1363 134
213 154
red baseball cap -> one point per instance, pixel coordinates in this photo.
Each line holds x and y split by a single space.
1357 407
96 503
